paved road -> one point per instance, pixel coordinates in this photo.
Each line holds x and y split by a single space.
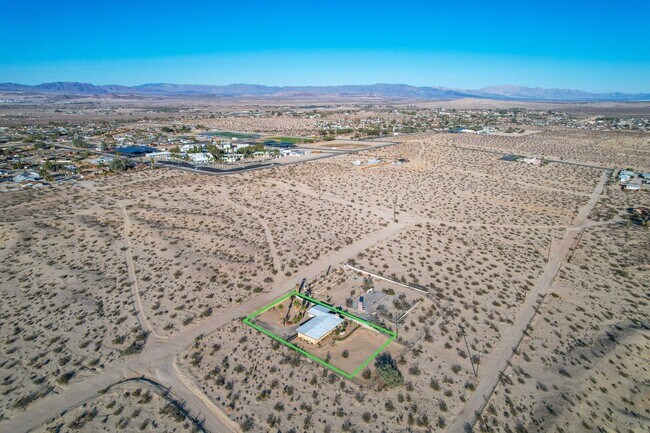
497 362
179 165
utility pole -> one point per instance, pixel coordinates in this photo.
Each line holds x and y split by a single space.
396 326
462 329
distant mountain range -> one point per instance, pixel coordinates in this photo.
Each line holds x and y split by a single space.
401 91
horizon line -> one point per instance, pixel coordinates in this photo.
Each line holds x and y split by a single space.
456 89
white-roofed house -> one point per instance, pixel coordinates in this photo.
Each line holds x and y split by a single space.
318 327
318 310
200 158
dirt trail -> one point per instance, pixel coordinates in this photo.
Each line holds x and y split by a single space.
183 388
137 301
277 263
493 365
156 361
384 213
526 184
406 217
73 395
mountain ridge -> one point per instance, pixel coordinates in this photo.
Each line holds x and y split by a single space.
389 90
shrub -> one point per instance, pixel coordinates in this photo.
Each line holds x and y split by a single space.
387 370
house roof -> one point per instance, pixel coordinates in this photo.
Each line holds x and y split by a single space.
318 310
319 326
135 150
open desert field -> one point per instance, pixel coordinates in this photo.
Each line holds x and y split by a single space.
518 292
325 217
341 144
128 407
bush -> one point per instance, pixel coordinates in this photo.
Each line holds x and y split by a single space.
118 164
387 370
247 424
64 378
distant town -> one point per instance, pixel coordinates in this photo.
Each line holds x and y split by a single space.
37 155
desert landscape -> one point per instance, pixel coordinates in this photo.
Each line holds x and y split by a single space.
512 267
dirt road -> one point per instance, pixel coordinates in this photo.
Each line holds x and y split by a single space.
137 301
157 361
493 366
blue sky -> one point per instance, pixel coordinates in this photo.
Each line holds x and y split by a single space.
591 45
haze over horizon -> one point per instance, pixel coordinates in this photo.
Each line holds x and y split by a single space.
467 45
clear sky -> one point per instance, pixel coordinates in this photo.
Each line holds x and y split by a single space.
593 45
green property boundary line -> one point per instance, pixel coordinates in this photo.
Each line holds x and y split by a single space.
392 335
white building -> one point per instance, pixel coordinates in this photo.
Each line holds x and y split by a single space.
232 157
191 147
159 155
26 175
200 158
533 161
320 326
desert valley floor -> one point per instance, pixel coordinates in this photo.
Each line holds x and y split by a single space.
522 291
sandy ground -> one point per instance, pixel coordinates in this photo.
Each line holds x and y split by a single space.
361 344
129 407
339 144
530 274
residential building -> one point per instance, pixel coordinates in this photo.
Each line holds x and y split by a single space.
317 328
